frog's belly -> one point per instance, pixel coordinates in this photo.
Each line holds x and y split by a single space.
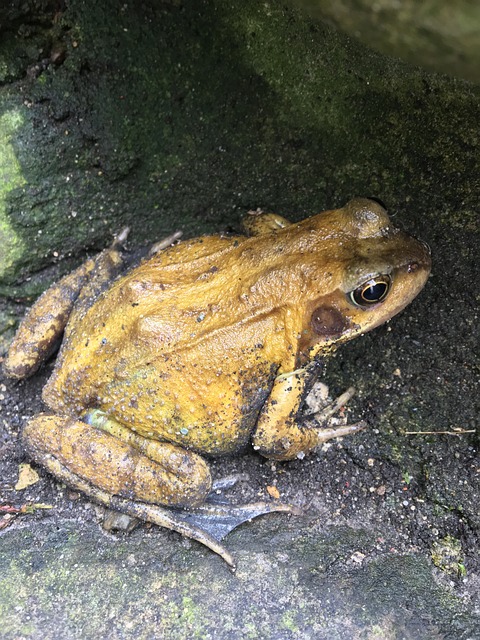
209 413
214 418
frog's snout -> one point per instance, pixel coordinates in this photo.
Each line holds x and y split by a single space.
426 257
426 246
423 259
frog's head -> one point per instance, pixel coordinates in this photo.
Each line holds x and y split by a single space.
372 270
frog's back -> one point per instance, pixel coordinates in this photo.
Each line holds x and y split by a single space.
164 349
203 305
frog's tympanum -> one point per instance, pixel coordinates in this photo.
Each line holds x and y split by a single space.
203 347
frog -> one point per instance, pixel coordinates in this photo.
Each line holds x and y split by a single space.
206 346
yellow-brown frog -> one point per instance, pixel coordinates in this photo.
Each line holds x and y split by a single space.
203 347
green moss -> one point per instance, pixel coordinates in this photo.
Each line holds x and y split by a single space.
288 621
8 323
447 555
11 177
146 586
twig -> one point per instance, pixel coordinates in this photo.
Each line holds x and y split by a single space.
455 432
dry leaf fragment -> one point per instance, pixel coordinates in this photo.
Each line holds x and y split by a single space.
273 491
6 520
26 476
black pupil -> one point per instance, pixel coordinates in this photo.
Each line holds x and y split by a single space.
374 292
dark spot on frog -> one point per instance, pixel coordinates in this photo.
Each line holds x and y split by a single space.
328 322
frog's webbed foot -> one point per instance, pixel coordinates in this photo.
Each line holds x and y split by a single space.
323 412
161 516
219 517
213 520
207 524
216 517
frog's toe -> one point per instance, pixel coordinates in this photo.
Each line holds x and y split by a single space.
334 427
165 243
339 431
321 405
116 521
227 482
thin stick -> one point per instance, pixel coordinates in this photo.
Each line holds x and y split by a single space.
457 432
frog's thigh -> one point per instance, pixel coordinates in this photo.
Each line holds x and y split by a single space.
40 331
278 435
169 475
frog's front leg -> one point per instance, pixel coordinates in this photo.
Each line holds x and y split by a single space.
278 434
41 330
258 223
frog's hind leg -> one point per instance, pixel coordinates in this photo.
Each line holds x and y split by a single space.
121 477
40 332
158 472
135 476
213 516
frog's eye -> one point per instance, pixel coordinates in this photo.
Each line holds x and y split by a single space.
371 292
